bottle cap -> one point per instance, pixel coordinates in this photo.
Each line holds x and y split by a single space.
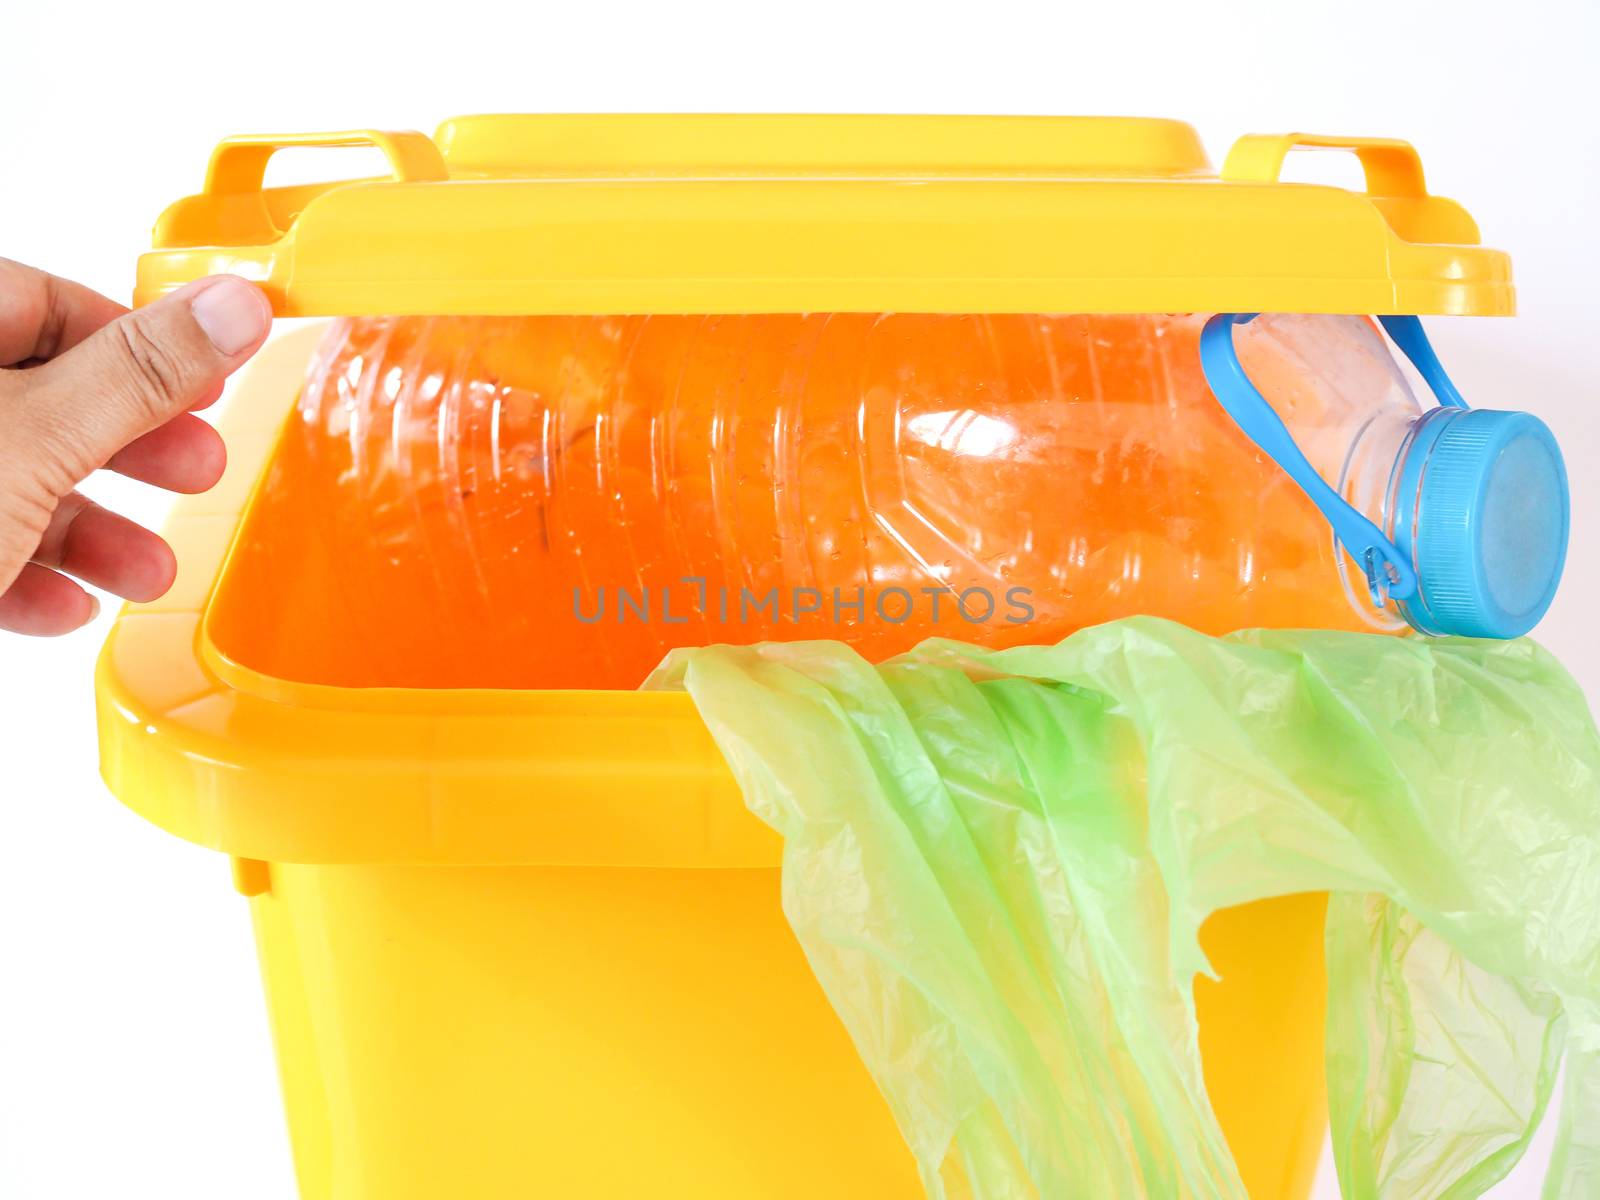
1481 510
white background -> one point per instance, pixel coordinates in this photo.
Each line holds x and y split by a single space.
133 1054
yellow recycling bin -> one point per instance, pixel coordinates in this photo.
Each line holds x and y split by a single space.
525 943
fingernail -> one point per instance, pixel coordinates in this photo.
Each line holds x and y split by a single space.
94 608
232 314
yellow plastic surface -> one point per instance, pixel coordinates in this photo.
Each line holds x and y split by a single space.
531 943
483 1033
729 214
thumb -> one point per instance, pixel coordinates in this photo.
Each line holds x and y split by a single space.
141 370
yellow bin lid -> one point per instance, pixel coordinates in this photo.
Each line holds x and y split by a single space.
719 214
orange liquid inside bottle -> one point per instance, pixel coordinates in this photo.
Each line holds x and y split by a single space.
558 501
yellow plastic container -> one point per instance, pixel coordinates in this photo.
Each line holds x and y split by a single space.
524 944
530 943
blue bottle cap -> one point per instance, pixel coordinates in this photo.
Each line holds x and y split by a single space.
1481 510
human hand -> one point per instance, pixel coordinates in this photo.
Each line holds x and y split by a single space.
85 384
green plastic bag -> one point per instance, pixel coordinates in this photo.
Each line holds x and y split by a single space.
998 863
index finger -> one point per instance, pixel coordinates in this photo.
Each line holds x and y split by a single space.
42 316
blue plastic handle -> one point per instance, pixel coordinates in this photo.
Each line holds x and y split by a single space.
1387 571
1407 333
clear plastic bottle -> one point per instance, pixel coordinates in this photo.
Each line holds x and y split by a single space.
556 502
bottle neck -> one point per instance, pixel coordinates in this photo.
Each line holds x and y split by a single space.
1366 480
